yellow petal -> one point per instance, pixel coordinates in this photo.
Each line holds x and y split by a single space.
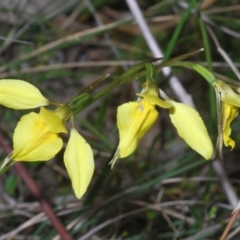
227 94
33 140
53 120
18 94
78 159
134 119
153 100
229 113
191 128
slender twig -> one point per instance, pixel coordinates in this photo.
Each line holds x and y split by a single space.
207 20
231 222
29 181
227 186
223 53
217 227
69 21
44 68
106 35
233 233
29 223
111 221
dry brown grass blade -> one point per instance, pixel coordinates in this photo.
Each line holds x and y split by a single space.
34 220
159 207
223 53
76 36
235 214
45 68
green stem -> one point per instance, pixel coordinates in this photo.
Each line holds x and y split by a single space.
212 95
83 99
150 71
178 29
208 75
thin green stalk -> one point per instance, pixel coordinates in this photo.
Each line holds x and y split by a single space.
208 75
208 57
178 29
84 99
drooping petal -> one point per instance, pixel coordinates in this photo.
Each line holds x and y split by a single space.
33 140
191 128
227 94
78 159
229 113
53 120
134 119
18 94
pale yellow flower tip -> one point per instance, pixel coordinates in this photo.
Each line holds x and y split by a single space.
191 128
227 94
229 113
33 140
79 162
115 158
134 119
18 94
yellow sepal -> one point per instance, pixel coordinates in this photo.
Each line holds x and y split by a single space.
78 159
18 94
191 128
229 113
33 140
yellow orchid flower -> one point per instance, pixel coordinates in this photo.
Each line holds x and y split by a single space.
134 119
36 136
228 99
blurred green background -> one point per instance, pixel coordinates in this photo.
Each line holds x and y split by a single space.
164 190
